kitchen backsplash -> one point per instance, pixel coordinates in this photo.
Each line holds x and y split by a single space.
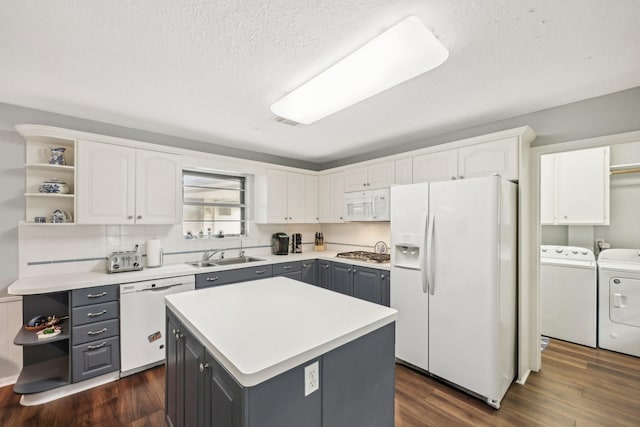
81 248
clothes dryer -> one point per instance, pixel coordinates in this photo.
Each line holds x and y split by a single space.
568 294
619 299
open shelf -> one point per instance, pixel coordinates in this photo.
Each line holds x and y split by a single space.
69 196
26 338
43 376
49 167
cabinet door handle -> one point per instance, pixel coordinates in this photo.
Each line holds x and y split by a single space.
325 266
354 270
203 366
212 279
139 216
453 178
260 271
286 267
460 177
130 217
96 314
97 295
103 330
93 347
382 276
349 271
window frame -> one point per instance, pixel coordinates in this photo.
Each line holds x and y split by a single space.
244 204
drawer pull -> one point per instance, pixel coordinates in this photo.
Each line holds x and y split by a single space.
212 279
325 266
103 330
97 295
261 271
286 267
96 314
93 347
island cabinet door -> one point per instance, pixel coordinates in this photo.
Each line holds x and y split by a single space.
174 382
222 396
193 380
342 278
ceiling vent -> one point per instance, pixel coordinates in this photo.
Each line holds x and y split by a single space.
286 121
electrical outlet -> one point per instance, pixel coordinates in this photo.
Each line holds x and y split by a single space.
311 378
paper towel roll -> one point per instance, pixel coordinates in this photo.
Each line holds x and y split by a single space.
154 253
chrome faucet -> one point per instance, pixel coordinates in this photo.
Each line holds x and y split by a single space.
206 256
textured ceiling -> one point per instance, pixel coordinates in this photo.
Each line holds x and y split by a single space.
209 70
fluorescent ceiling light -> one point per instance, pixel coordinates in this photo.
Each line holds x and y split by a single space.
404 51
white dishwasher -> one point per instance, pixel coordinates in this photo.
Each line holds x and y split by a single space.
142 321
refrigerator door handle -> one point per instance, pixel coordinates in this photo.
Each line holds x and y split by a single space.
430 280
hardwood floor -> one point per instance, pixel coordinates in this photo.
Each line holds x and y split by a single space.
578 386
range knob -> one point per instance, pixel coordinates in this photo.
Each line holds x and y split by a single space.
585 252
559 250
135 264
116 266
575 251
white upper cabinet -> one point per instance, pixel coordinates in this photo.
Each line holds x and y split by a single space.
495 157
582 185
122 185
432 167
380 175
158 188
291 197
485 159
403 171
574 187
548 189
331 197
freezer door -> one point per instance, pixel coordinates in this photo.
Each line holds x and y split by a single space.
464 301
409 208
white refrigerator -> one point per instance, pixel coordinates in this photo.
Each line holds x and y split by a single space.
453 281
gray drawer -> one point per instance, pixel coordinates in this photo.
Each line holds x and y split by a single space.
95 295
95 358
95 331
225 277
94 313
286 267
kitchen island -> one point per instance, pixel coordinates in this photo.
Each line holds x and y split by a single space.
277 352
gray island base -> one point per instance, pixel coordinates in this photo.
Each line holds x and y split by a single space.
312 358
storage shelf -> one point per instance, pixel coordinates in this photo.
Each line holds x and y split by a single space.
50 167
40 224
57 195
27 338
43 376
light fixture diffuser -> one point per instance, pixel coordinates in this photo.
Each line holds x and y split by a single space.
402 52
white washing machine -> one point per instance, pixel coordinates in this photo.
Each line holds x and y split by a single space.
619 313
568 294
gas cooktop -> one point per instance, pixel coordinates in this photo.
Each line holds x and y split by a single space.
365 256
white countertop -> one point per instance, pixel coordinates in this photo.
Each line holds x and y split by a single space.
66 282
260 329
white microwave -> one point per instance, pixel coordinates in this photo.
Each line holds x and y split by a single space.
369 205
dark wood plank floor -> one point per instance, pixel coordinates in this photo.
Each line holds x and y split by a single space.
577 386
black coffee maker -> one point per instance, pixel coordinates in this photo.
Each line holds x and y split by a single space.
280 244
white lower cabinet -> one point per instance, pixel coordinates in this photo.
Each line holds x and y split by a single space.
123 185
574 187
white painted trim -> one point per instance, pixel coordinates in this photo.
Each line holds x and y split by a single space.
67 390
524 378
8 380
534 212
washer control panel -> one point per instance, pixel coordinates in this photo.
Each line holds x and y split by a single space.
566 252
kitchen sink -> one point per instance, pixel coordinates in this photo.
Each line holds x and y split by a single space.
225 261
201 264
238 260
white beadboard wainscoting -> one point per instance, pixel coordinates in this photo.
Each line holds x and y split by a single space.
10 354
